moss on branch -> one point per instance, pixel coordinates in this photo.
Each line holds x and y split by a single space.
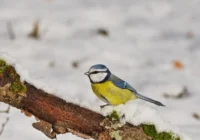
12 89
150 130
3 66
18 87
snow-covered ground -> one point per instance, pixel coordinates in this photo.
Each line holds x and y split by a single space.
145 39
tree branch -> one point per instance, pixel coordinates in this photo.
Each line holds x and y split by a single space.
56 116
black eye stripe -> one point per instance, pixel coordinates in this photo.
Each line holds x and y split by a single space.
95 72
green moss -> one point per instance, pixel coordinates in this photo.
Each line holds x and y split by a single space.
2 63
114 115
163 136
2 69
115 135
3 66
150 130
18 87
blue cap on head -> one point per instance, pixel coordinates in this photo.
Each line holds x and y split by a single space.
98 73
99 66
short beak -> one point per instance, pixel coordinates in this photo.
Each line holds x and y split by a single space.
86 73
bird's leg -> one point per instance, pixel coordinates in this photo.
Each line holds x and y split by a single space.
102 106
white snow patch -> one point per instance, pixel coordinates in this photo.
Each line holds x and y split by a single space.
136 113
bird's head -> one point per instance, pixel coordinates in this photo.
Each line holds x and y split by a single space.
98 73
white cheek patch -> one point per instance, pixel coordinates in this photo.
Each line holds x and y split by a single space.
98 77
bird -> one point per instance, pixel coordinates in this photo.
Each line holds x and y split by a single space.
111 89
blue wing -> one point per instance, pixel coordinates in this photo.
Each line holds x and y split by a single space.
124 85
121 84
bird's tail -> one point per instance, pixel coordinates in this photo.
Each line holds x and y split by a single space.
149 100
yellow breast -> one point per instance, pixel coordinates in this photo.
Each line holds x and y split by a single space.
111 94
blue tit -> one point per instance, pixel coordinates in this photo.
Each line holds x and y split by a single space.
111 89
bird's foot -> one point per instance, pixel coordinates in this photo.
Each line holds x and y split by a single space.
102 106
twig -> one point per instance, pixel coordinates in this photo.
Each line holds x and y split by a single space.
35 31
3 126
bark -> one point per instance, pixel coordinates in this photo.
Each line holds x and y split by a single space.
56 116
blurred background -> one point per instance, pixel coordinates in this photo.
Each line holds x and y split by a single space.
152 44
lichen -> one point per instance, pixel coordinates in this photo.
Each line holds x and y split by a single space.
115 135
114 115
18 87
150 130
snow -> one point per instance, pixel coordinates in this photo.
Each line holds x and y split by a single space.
145 38
138 113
